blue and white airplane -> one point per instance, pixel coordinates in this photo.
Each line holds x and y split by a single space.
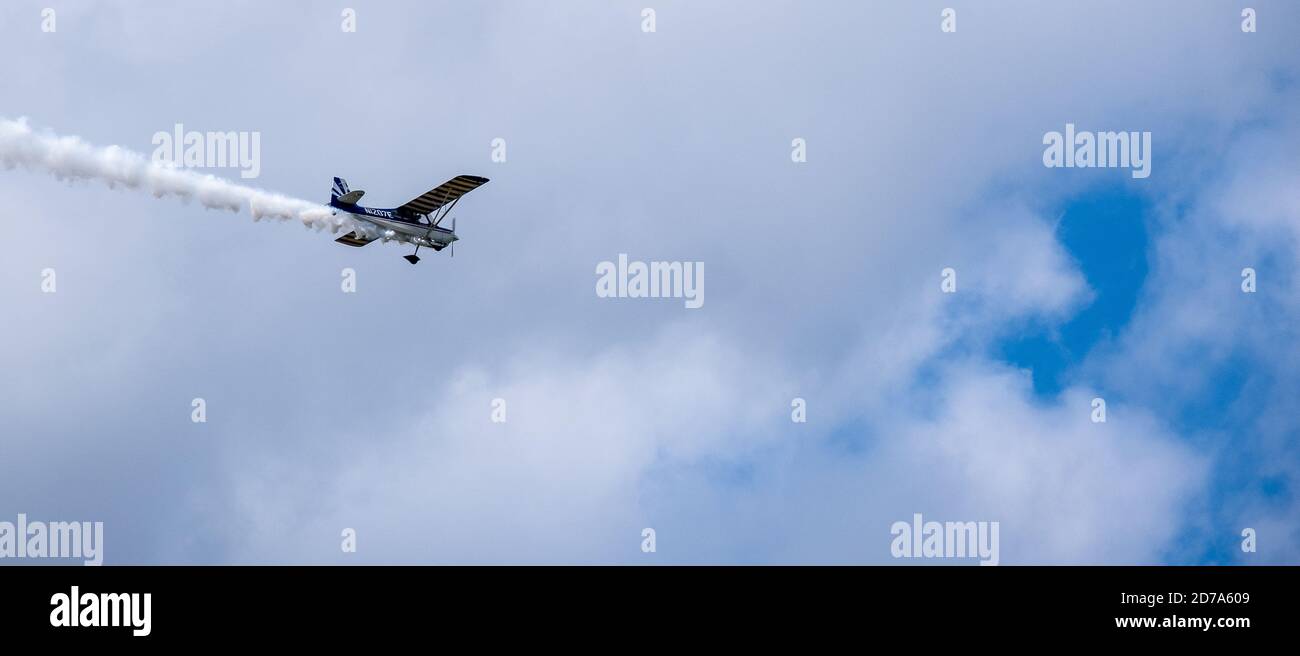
416 222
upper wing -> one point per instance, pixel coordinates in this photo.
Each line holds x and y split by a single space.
447 192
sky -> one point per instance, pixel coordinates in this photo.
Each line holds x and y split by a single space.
373 410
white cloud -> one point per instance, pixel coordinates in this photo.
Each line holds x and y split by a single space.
554 482
1066 490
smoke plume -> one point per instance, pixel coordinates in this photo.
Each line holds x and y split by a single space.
70 158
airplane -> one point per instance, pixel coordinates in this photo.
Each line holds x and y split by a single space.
416 222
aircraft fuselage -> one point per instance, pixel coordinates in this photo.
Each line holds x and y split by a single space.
392 226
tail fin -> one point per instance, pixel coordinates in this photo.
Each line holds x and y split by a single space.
340 188
342 194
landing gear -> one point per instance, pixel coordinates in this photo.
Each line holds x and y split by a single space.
413 258
436 246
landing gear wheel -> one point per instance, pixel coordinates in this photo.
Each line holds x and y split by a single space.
413 257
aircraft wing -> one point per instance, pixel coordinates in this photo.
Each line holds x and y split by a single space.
354 239
447 192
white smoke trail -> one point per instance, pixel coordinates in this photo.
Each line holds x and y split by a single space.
70 158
